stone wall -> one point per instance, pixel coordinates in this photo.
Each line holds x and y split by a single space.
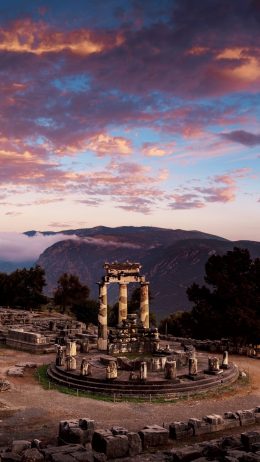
216 346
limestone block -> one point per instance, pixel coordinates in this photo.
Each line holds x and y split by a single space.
212 450
179 430
98 441
200 427
154 435
18 446
231 420
113 446
32 455
67 453
249 438
246 417
134 444
186 454
216 422
76 431
99 457
10 457
116 430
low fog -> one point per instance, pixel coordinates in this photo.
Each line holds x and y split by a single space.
15 247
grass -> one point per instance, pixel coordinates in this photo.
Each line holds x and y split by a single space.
41 375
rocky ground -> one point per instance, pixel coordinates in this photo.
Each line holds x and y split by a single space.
29 411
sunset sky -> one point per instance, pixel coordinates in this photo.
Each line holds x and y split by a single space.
130 112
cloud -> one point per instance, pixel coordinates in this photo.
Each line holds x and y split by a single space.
157 149
220 189
19 247
242 137
186 201
27 36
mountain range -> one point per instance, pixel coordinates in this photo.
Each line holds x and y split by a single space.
171 259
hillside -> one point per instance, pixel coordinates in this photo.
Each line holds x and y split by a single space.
171 259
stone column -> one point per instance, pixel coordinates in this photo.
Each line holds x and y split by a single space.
102 317
144 304
122 308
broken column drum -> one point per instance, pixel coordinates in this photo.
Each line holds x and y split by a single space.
225 360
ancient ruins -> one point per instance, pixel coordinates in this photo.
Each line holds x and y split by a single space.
131 359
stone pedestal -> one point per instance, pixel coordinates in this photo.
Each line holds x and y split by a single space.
144 304
170 371
85 367
193 366
122 307
60 357
71 349
111 371
71 364
213 366
143 371
102 317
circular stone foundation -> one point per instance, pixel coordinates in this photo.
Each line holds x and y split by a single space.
154 386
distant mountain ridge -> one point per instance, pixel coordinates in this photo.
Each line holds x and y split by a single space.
171 259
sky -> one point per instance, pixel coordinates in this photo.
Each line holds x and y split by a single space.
130 112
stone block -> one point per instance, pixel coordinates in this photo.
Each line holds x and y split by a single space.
67 453
179 430
116 446
246 417
249 438
212 450
18 446
216 422
134 444
186 454
32 455
116 430
99 457
154 435
199 427
76 431
10 457
231 442
251 457
256 447
98 440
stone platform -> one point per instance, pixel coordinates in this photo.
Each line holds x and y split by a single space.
155 384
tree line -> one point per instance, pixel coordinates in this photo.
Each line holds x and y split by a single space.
227 305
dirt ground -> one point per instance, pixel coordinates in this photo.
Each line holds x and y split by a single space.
29 411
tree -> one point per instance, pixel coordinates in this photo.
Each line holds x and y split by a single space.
23 288
70 292
229 306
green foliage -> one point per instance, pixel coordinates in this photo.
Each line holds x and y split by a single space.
23 288
70 292
72 296
228 306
